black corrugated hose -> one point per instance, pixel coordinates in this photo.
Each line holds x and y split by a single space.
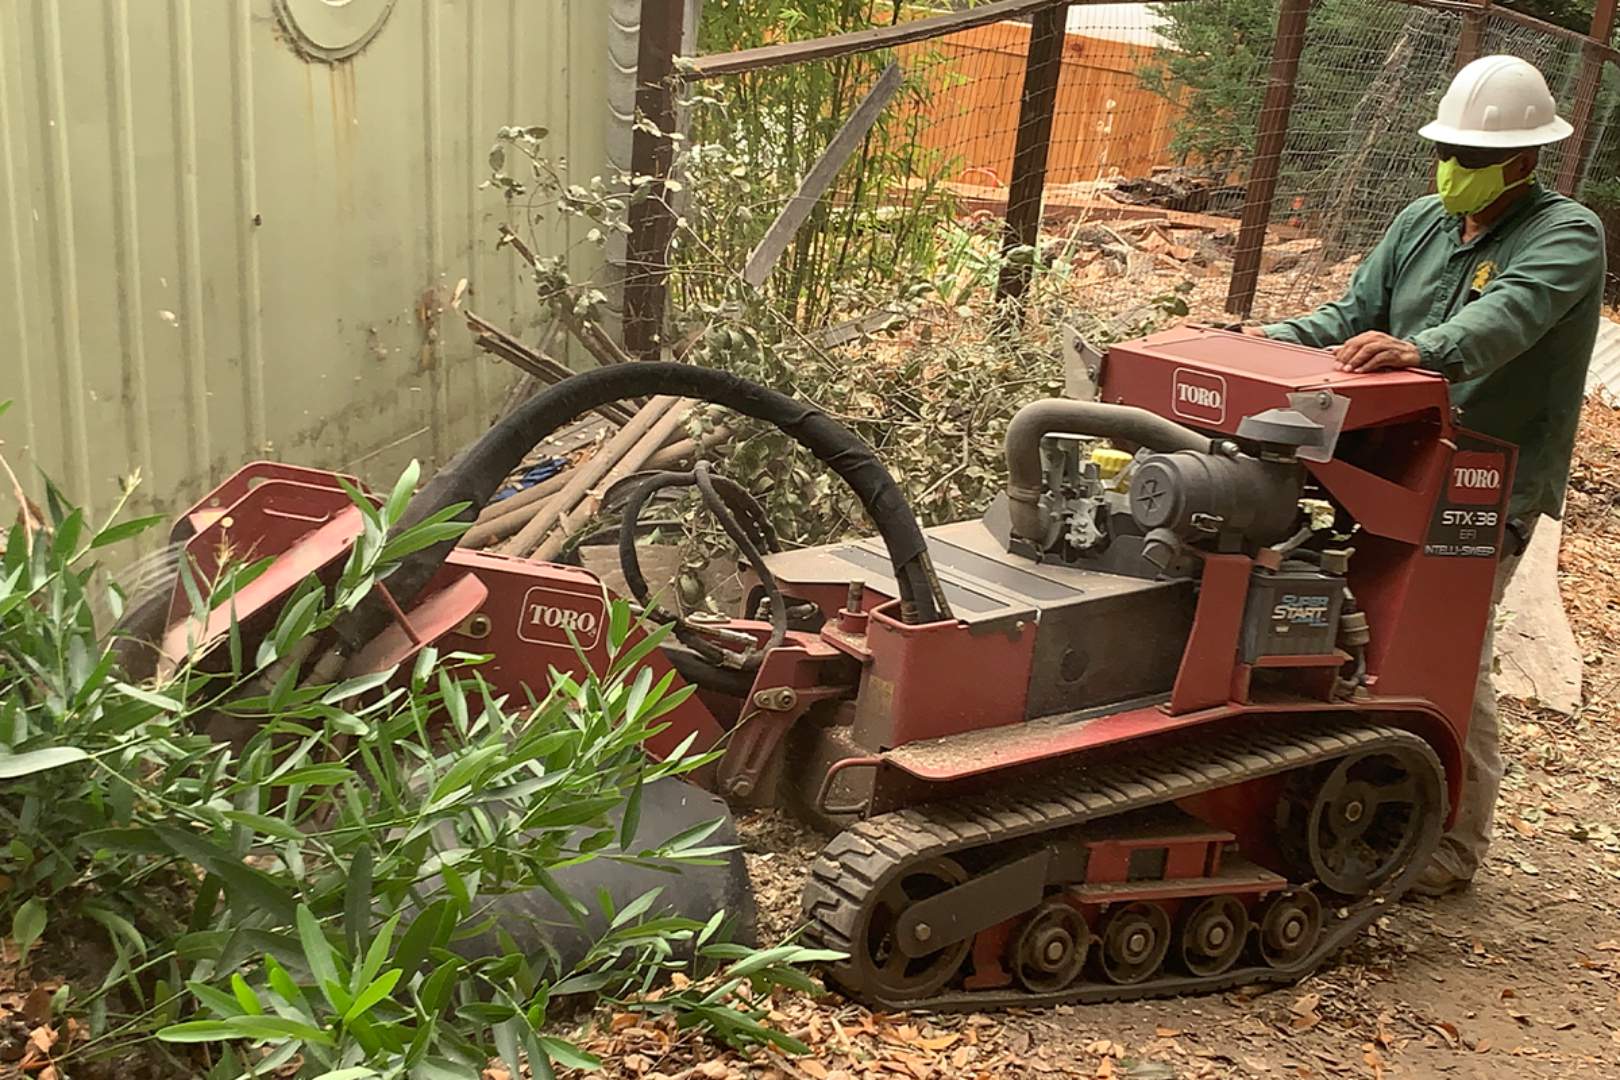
475 474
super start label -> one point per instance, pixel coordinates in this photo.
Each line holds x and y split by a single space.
1313 610
1469 518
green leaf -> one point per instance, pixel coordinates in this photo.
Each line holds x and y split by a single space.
197 1031
245 996
231 949
264 825
377 954
483 1013
67 534
569 1055
13 766
359 1072
435 992
297 619
148 697
618 625
357 898
779 955
28 924
635 908
584 984
358 685
427 931
221 1003
508 1034
632 815
466 769
371 995
318 775
142 841
112 534
440 1069
361 500
118 927
317 952
422 536
426 660
244 1027
638 695
641 649
284 986
245 887
455 703
401 495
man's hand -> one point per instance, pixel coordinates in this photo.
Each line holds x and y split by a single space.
1254 331
1376 351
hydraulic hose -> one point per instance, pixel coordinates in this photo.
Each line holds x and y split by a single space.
732 507
1041 418
474 475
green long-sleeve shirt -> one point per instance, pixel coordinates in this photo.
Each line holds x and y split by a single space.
1509 318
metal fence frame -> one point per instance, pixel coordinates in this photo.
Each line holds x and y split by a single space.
662 74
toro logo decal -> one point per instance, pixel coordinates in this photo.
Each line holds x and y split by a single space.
1198 395
548 616
1476 478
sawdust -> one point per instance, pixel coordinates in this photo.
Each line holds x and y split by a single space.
777 849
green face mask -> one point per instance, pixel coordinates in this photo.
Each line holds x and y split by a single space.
1468 191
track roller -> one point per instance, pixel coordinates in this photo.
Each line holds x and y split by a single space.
1211 935
1135 939
1051 949
1290 923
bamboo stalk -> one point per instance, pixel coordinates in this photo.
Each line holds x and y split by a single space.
583 477
573 518
503 519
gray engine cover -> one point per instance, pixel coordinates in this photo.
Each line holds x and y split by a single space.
1101 638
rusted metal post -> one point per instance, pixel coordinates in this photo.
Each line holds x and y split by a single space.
652 219
1273 130
1472 38
1048 28
1573 167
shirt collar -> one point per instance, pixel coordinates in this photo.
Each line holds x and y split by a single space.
1454 222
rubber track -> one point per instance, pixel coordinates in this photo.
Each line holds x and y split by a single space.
859 861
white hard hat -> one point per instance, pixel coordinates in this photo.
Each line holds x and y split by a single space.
1497 101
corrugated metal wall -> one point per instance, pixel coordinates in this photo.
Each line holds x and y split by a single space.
216 245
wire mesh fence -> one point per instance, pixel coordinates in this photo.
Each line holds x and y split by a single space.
1154 116
1371 74
918 189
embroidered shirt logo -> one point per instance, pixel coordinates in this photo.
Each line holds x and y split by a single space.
1483 274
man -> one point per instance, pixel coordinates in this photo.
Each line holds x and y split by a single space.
1496 283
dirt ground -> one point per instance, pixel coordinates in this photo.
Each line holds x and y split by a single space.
1517 977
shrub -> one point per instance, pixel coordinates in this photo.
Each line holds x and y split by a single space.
300 900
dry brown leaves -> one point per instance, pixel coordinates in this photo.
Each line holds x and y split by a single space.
31 1040
1591 576
849 1042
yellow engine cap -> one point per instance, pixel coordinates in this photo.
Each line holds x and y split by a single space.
1109 462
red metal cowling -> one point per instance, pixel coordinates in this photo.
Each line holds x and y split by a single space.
532 617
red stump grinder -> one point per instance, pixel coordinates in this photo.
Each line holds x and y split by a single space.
1179 712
